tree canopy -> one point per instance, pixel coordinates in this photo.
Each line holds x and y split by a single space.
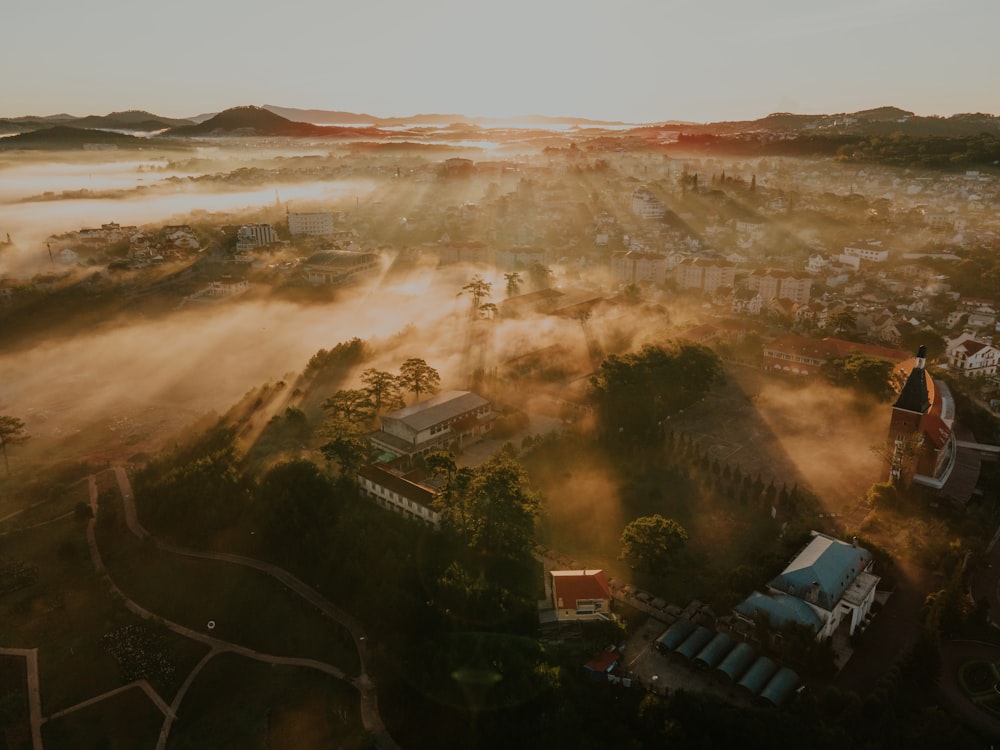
635 392
418 377
651 543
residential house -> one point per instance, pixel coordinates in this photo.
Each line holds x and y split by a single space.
969 357
581 595
827 584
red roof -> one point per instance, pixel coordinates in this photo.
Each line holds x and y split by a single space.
603 662
572 585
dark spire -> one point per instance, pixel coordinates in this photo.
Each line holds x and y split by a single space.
914 396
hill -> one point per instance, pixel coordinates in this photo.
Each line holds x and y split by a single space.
61 137
336 117
257 121
132 119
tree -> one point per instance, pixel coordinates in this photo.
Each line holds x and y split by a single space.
541 276
492 508
843 322
383 388
480 289
418 377
11 433
513 283
651 543
350 411
297 502
349 451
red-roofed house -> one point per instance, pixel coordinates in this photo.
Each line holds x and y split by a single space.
802 355
581 595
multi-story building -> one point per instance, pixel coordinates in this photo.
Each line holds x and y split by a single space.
646 204
776 284
872 251
706 274
337 266
314 224
802 355
401 493
634 267
969 357
432 424
250 236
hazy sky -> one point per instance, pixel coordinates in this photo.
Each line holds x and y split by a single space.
635 60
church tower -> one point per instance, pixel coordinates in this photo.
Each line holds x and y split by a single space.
906 425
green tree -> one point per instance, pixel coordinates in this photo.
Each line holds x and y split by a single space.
651 543
493 509
541 276
12 432
418 377
383 388
297 501
349 451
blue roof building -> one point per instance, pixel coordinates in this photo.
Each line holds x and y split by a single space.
758 675
715 650
737 661
675 635
780 608
695 642
780 687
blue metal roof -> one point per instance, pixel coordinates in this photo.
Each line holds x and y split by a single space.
715 649
737 661
822 572
780 608
695 642
675 634
758 675
780 687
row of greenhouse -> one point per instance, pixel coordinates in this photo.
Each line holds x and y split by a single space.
738 661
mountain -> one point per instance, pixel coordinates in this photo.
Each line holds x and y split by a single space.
132 119
257 121
337 117
61 137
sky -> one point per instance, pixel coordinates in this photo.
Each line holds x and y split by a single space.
630 60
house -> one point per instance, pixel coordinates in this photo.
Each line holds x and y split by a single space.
401 493
827 584
969 357
431 424
581 595
870 250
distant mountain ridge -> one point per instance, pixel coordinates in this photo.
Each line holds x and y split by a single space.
65 137
257 121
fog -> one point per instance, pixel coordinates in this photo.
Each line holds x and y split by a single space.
203 357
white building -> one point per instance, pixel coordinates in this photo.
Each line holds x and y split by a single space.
776 284
400 493
251 236
647 205
706 274
969 357
314 224
871 251
337 266
634 266
433 423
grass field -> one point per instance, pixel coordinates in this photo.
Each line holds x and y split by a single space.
248 607
127 720
239 703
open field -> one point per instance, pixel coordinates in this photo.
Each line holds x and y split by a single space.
239 703
127 720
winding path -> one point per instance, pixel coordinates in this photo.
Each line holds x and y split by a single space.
370 716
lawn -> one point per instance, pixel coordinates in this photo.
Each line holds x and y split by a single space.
239 703
127 720
65 614
247 607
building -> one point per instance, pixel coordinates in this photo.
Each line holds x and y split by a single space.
647 205
776 284
705 274
969 357
581 595
464 252
871 251
635 267
226 287
829 583
337 266
432 424
401 493
251 236
802 355
922 442
313 224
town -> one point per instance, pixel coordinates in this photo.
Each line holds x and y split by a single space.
689 436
